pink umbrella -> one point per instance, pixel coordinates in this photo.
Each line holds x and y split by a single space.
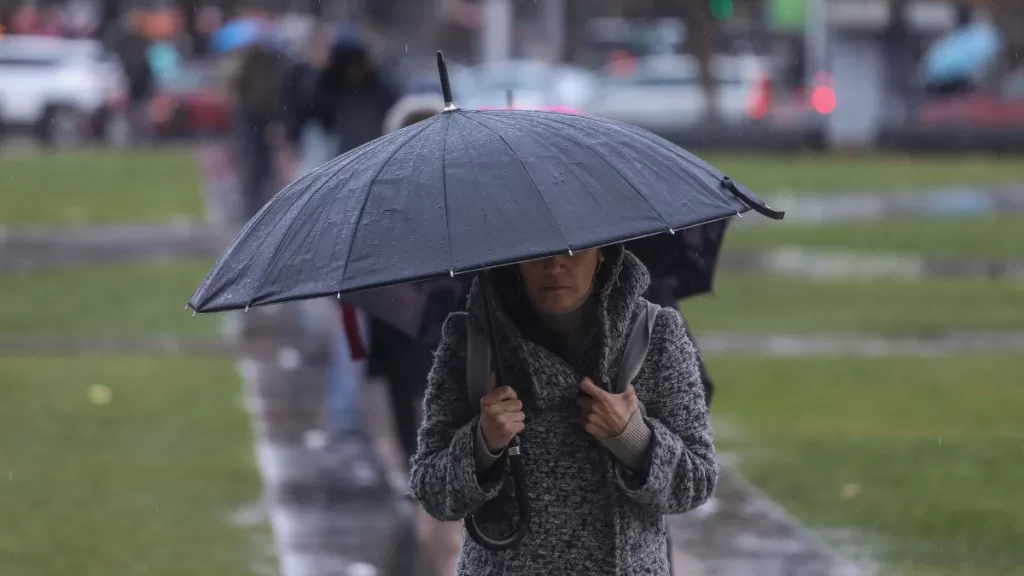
561 109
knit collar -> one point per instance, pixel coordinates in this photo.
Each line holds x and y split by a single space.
621 282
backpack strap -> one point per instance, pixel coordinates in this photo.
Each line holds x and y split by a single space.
478 363
478 356
636 348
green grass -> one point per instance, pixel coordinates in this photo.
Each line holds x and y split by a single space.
993 237
888 307
931 452
768 174
107 300
142 485
99 187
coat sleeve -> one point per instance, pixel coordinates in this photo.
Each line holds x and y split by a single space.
443 475
679 473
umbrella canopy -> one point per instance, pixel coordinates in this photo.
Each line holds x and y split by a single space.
464 191
238 34
962 52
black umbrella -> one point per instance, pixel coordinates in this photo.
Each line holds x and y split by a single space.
465 191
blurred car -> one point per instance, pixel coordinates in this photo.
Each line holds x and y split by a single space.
1003 108
664 91
533 84
188 104
58 88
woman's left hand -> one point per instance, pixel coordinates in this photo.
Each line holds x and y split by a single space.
605 415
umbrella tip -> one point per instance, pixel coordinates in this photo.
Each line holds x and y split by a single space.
446 85
760 208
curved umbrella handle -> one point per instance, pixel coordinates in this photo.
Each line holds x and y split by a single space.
762 209
522 502
515 458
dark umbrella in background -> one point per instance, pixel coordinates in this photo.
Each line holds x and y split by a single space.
465 191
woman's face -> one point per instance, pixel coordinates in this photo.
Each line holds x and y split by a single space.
559 284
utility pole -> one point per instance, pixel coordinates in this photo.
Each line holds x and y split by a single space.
496 32
553 23
815 39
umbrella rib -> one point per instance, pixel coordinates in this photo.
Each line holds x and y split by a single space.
528 175
624 179
646 135
444 192
366 197
305 201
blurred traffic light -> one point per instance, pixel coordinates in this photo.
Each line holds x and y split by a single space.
721 9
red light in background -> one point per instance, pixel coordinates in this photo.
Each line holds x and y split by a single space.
823 99
760 99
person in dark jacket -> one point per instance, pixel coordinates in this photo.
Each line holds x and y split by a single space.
306 134
351 98
133 47
257 89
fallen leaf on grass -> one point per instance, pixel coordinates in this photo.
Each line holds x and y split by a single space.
100 394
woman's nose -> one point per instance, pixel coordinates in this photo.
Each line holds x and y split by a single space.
555 263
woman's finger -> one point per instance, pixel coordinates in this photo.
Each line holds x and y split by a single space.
513 417
498 395
510 405
494 410
515 428
589 388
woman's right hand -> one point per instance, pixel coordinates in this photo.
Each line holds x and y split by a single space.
501 418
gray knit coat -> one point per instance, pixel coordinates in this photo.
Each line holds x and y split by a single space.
590 513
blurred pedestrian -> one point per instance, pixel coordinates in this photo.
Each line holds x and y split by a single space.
351 97
258 86
133 49
602 467
347 109
307 134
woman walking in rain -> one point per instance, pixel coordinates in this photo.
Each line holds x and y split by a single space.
603 468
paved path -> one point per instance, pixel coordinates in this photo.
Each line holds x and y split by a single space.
873 206
51 247
796 261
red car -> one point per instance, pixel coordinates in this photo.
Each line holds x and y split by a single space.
1003 109
188 104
